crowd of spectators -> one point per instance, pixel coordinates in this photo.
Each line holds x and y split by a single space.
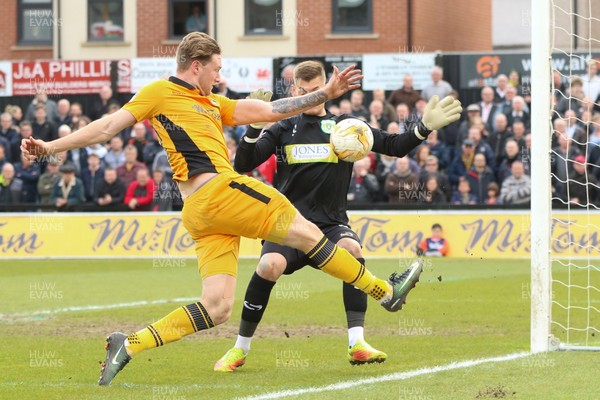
482 159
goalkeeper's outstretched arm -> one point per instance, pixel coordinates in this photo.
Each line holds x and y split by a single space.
254 149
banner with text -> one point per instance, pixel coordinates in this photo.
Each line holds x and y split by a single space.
386 71
482 69
383 234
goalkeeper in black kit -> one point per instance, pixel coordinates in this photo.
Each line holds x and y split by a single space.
312 177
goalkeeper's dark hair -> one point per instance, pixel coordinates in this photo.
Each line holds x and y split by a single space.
309 70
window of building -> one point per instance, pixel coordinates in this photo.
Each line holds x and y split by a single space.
187 16
352 16
35 22
105 20
264 17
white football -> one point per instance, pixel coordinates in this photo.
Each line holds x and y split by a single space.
351 139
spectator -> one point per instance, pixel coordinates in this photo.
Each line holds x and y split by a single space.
571 100
438 149
334 109
493 191
28 172
376 118
63 107
462 195
140 192
512 153
518 133
163 196
488 107
25 132
100 105
389 111
196 22
575 132
420 108
9 137
583 187
41 98
48 179
222 89
139 139
115 156
128 171
421 153
518 112
432 169
501 86
357 98
402 185
75 112
505 106
345 107
516 189
16 113
479 177
434 246
481 146
462 162
110 194
151 149
438 86
405 95
433 193
563 155
498 135
3 159
161 162
283 86
363 185
591 81
10 187
473 116
91 176
42 128
68 191
402 117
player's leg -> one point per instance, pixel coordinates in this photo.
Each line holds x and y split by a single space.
338 262
355 304
270 267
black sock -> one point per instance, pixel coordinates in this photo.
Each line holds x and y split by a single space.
355 303
255 303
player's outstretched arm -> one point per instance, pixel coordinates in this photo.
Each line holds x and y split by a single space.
98 131
252 150
250 111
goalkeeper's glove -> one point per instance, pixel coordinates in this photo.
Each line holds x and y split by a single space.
263 95
437 115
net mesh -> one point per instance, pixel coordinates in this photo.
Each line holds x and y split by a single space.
575 171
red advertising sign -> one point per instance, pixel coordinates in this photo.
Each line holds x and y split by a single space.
68 77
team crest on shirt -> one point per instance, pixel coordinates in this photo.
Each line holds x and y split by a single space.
327 125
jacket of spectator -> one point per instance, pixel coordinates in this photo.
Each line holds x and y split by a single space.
29 173
90 180
45 185
143 194
127 173
10 192
51 109
479 181
72 192
516 190
402 185
406 94
461 163
116 190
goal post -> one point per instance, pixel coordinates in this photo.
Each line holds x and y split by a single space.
541 198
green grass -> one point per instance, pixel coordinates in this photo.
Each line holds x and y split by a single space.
461 310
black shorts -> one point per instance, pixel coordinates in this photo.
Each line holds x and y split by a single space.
296 259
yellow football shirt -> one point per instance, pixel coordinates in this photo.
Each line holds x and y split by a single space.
189 125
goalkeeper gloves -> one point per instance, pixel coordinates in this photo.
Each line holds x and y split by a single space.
437 115
263 95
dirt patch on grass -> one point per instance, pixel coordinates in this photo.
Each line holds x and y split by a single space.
496 392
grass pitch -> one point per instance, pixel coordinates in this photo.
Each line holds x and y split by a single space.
52 339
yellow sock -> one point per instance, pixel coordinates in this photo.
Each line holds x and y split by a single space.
179 323
338 262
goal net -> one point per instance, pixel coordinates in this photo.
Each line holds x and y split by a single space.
565 212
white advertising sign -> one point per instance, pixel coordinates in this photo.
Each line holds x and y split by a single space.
385 71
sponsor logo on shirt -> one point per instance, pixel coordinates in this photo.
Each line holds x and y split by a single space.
309 153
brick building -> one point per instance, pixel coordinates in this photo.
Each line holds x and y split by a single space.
109 29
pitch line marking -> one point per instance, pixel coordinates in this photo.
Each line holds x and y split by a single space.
396 376
32 314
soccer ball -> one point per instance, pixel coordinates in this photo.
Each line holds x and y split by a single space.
351 139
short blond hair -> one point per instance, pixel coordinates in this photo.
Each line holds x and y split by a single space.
309 70
196 46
